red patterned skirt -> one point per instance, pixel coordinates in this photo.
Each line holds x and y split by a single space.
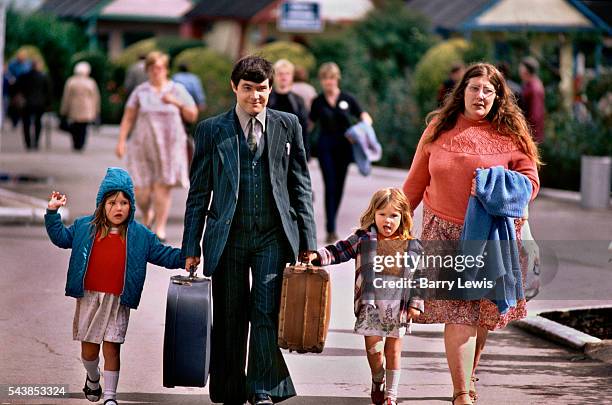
483 312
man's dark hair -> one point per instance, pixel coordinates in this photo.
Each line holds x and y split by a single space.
183 67
253 69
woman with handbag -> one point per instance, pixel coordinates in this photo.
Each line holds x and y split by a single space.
157 150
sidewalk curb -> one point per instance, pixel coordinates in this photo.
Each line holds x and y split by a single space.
17 208
563 195
591 346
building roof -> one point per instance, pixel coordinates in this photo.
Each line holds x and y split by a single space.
331 10
602 8
138 10
344 10
447 15
510 15
146 9
223 9
541 15
79 9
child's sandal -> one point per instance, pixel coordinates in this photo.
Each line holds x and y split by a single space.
390 401
377 393
91 394
459 394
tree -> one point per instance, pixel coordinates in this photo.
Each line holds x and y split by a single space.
56 40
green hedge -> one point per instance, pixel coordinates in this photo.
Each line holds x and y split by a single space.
433 68
214 70
294 52
56 40
567 140
170 45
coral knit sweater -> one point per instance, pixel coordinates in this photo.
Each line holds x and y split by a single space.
441 172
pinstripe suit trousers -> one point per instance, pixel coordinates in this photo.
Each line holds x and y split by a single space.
235 305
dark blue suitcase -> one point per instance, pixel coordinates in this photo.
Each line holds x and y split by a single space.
187 334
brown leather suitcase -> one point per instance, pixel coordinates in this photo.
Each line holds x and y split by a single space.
305 309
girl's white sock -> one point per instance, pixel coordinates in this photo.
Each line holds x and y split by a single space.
111 379
93 372
378 376
392 383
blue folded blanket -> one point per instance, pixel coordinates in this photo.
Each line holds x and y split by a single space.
366 148
488 230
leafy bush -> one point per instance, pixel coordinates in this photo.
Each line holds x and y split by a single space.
170 45
131 54
55 39
598 87
173 45
566 141
433 69
294 52
214 70
398 123
395 39
480 50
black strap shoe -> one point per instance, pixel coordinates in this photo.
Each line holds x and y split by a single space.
261 399
92 395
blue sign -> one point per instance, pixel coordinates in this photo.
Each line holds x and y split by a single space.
300 16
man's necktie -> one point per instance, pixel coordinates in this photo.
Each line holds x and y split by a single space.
251 138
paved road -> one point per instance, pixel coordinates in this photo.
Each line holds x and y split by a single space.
517 368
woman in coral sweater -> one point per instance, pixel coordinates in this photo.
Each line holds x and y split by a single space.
479 126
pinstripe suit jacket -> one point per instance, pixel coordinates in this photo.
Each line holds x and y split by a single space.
215 175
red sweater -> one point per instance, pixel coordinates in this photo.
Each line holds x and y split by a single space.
442 171
106 268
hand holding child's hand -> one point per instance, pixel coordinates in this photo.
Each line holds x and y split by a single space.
56 200
413 313
309 256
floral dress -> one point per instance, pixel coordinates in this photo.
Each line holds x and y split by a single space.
157 148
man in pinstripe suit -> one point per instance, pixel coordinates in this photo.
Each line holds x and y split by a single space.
251 162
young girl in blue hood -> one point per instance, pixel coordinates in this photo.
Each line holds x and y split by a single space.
106 274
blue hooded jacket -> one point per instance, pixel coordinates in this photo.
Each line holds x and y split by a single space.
142 245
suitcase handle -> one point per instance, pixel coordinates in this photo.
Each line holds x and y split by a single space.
191 278
192 271
309 266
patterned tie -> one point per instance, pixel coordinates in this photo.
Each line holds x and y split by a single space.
252 139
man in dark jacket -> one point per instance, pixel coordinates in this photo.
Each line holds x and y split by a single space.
250 161
283 99
35 88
